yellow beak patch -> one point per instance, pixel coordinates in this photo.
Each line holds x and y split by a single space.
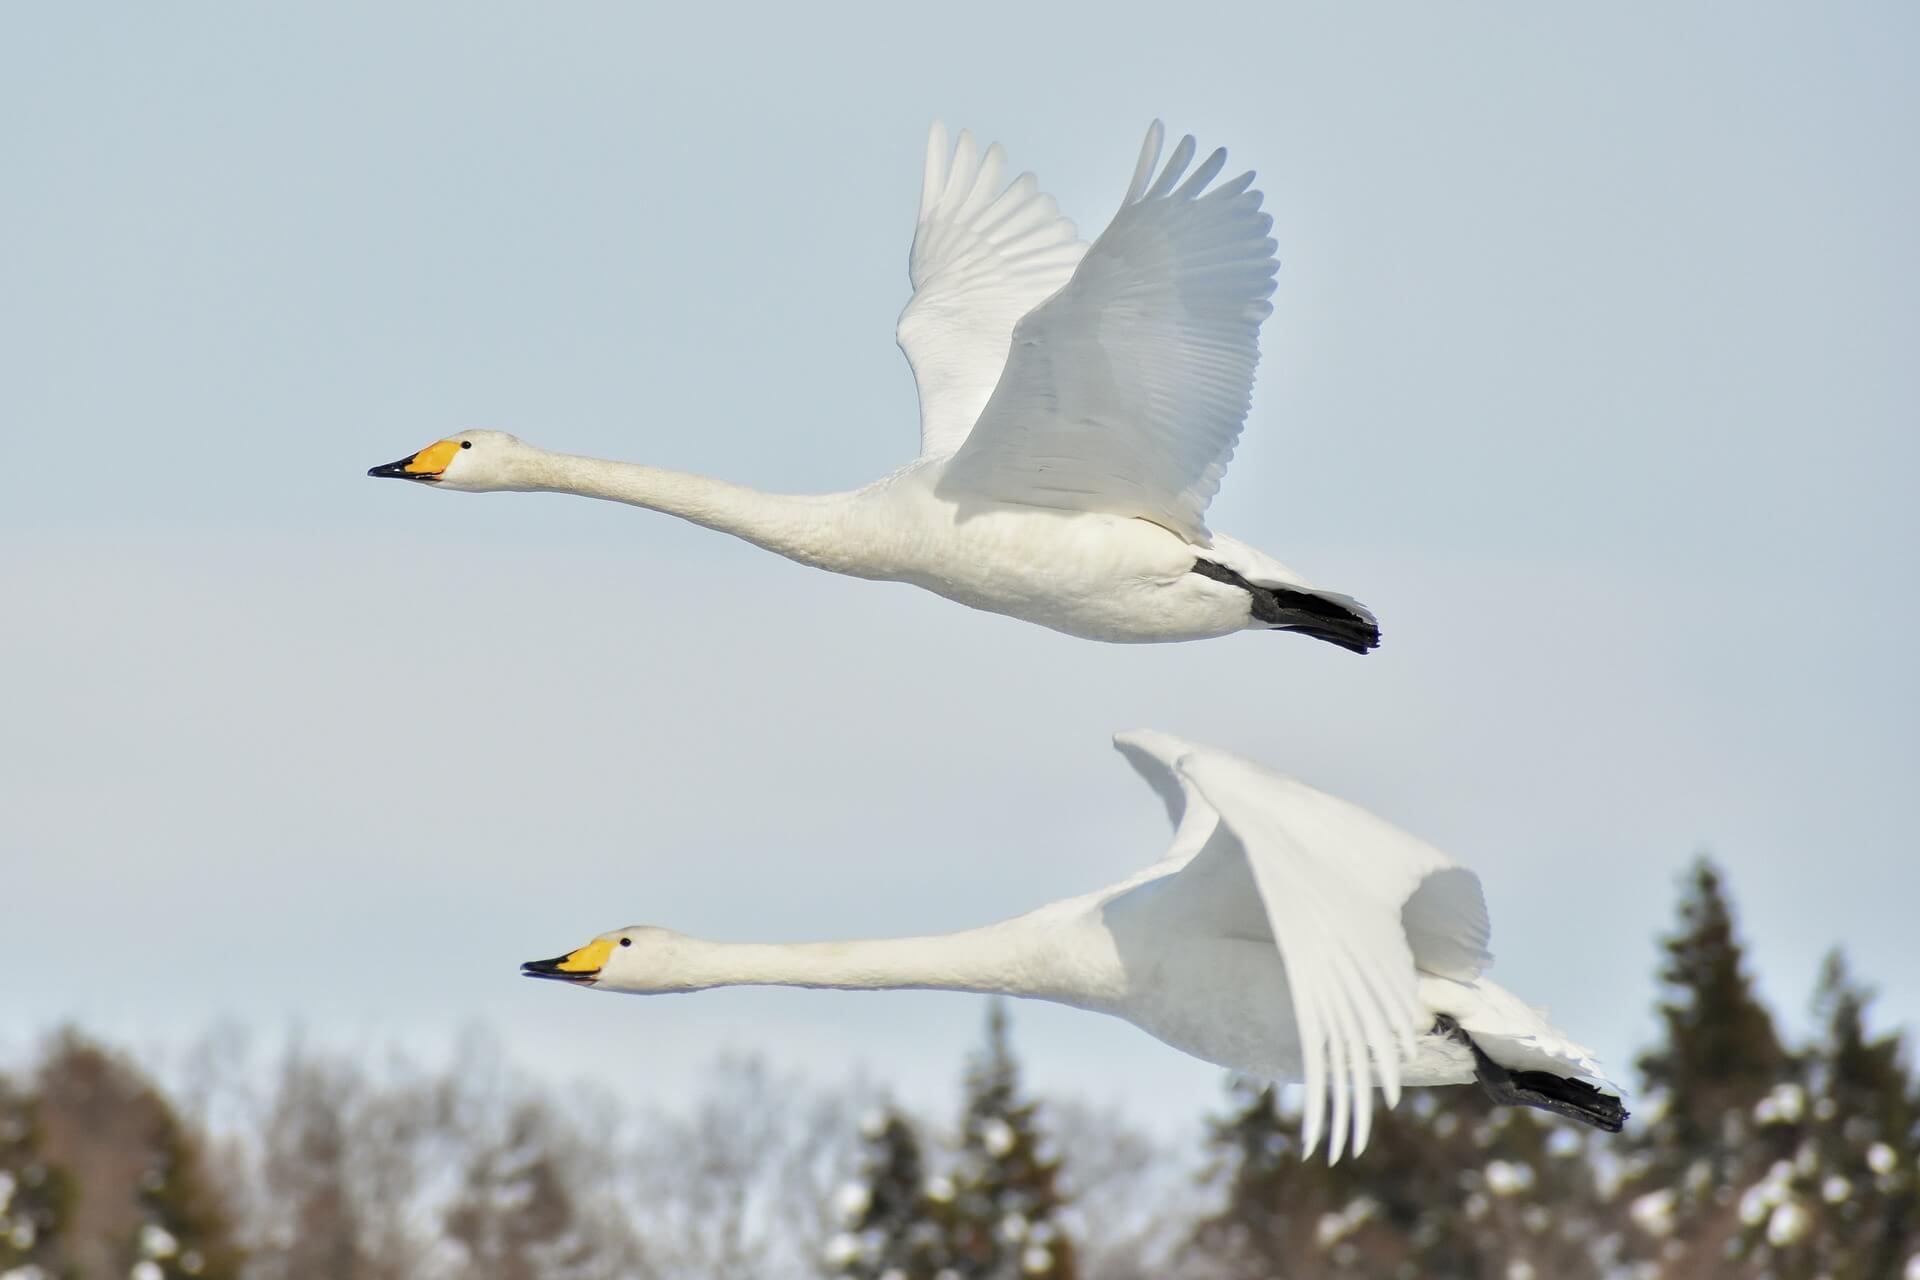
588 959
433 459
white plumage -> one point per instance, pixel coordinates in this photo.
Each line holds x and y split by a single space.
1125 391
1078 407
1286 934
982 258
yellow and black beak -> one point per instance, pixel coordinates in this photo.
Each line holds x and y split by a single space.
579 967
425 465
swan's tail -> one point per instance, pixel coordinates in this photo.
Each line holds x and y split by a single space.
1324 615
1563 1095
1519 1058
1574 1099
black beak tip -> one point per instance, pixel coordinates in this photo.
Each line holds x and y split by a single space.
391 470
551 969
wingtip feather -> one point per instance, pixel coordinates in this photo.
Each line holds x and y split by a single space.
934 176
1209 170
1176 165
1148 162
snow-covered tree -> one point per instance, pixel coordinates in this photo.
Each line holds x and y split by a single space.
1449 1185
141 1205
1007 1199
183 1233
1871 1147
1533 1208
1268 1194
34 1193
1839 1200
1719 1052
894 1223
1721 1100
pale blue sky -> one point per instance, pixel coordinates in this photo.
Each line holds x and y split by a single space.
1592 369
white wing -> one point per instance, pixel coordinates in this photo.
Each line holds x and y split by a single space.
1155 756
1355 906
1125 391
982 257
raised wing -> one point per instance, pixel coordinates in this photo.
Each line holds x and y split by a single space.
1355 906
1156 756
983 256
1126 390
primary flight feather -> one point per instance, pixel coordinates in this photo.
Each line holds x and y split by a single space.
1078 407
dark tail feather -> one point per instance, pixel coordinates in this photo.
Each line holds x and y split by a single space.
1348 626
1574 1099
1324 616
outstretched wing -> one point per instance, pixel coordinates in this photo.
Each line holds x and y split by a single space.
1156 757
1355 906
983 256
1126 390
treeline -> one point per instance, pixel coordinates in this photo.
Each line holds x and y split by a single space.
1747 1157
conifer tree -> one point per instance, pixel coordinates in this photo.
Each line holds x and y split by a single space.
1844 1204
34 1193
1866 1078
891 1226
1533 1208
183 1234
142 1205
1007 1197
1270 1196
1722 1100
1449 1185
1719 1052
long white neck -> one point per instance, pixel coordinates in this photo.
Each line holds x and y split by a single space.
1008 958
808 528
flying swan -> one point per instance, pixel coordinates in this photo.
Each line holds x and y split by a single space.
1078 405
1286 934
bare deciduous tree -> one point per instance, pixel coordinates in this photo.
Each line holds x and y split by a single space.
738 1188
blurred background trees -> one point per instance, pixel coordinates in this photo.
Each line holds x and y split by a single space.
1748 1157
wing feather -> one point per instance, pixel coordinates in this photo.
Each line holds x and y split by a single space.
1125 391
1155 756
985 252
1348 901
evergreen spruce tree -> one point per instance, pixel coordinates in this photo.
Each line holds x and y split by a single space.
1533 1208
1007 1199
1723 1101
1844 1206
891 1226
1719 1052
183 1233
1449 1185
1270 1196
33 1192
141 1204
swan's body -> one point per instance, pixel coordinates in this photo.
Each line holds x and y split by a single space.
1078 405
1286 934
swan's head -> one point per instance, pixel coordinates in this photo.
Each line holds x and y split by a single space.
637 958
473 460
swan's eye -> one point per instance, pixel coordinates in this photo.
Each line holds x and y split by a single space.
626 942
466 444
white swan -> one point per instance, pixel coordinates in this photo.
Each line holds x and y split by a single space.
1078 405
1286 934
